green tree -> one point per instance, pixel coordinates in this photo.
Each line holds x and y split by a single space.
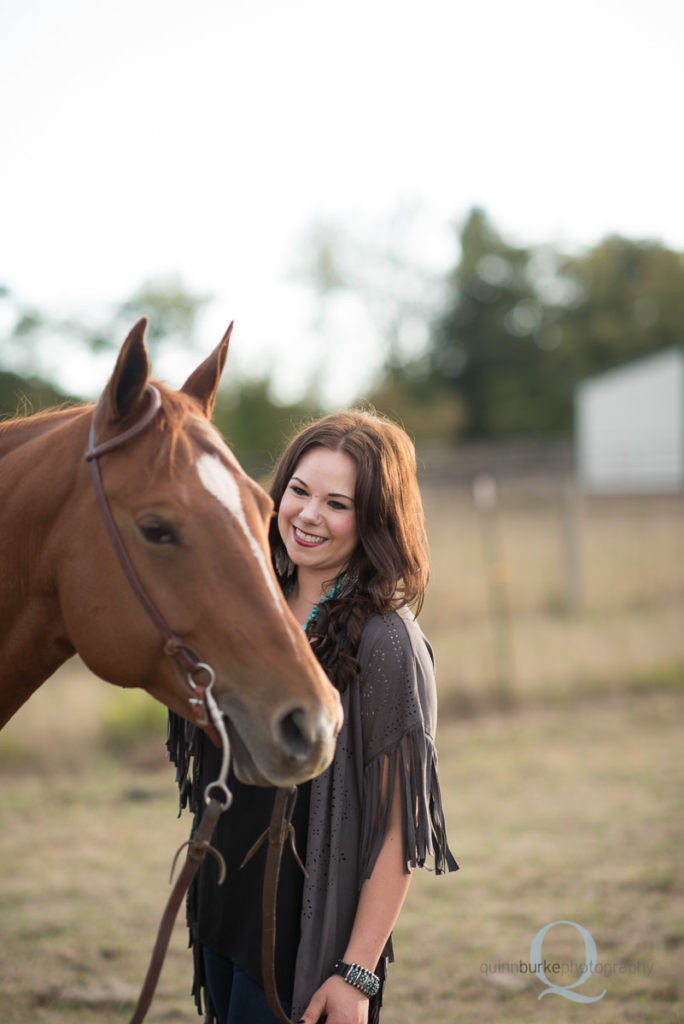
485 343
172 310
22 390
33 334
20 396
256 427
35 339
630 303
523 325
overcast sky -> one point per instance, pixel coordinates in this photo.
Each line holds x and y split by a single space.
148 137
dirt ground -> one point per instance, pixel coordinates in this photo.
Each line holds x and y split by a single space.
568 808
555 814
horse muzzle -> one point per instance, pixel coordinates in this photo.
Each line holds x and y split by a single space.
296 745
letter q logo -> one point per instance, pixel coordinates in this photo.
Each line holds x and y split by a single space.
566 991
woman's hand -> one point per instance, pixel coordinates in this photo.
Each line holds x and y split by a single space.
337 1001
380 901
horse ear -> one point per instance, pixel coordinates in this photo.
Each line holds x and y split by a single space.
126 386
203 383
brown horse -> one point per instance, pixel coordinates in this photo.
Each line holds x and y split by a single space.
193 527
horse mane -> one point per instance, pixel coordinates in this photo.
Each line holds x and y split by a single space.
31 424
24 413
177 412
181 422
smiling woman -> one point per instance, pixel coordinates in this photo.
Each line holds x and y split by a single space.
317 524
350 554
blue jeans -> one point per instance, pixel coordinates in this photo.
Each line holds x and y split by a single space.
236 998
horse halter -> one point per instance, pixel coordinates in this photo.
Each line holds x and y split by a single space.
189 665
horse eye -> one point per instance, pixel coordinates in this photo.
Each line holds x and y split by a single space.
156 531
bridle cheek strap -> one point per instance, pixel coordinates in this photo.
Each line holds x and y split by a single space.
187 662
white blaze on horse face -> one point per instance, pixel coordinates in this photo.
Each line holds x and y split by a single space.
220 482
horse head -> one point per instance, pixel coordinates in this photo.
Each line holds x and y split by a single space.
194 528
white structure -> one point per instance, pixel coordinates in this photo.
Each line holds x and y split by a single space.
629 426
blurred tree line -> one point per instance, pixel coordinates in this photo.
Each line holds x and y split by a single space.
511 330
492 349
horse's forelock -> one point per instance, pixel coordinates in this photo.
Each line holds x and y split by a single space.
178 412
184 428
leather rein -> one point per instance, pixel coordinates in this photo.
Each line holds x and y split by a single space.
217 796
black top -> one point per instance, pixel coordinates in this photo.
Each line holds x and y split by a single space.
387 740
229 916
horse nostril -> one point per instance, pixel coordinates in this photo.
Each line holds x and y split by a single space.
294 734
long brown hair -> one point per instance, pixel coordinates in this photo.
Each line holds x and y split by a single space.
390 565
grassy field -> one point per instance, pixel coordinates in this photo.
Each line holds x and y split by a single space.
563 814
570 814
500 608
566 807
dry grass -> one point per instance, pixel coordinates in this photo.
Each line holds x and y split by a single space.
84 862
567 808
499 609
569 813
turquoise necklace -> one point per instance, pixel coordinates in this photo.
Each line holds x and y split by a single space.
333 592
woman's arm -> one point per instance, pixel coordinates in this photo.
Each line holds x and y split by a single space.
381 899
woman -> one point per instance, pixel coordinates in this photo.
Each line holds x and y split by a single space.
349 549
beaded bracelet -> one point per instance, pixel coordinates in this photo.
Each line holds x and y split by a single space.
358 976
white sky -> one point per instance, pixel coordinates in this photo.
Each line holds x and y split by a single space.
147 137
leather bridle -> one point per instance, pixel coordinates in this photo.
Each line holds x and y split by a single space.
217 796
189 664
